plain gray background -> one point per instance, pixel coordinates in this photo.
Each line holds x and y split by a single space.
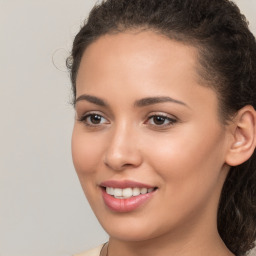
43 211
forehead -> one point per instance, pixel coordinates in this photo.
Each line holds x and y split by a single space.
139 45
136 53
134 65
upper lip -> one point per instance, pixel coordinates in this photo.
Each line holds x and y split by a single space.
124 184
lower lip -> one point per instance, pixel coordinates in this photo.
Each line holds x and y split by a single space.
125 205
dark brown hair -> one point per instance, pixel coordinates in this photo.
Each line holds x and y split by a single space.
227 63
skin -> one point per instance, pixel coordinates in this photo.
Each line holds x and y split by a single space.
185 158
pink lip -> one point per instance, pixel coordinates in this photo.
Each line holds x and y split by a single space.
125 205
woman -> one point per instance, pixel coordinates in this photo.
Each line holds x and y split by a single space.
164 136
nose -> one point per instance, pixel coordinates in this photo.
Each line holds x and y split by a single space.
123 150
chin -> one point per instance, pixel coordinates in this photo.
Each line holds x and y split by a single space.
131 229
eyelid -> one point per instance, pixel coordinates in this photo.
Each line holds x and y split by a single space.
172 119
85 115
164 114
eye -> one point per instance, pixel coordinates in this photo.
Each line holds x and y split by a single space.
161 120
93 119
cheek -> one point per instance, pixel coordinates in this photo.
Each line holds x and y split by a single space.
85 152
189 158
189 168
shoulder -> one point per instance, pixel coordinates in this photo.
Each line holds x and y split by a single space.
92 252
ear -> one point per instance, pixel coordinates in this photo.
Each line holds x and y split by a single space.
243 136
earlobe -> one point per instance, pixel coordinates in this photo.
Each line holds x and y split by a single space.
243 137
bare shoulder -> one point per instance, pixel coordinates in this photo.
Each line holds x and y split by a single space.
92 252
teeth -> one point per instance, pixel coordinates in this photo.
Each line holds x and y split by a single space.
150 190
135 191
143 191
127 192
110 191
118 192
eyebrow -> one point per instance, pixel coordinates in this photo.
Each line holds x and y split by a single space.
92 99
156 100
138 103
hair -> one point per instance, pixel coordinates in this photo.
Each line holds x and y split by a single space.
227 63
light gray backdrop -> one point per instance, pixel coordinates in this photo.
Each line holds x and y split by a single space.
43 211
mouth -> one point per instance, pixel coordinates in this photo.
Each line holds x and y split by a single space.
126 196
125 193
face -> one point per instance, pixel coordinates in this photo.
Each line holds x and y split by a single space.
147 145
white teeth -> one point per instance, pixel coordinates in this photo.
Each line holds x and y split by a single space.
118 192
110 191
135 191
127 192
143 191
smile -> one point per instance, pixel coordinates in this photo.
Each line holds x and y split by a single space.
127 192
126 195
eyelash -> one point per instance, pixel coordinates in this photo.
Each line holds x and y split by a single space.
171 121
162 117
84 120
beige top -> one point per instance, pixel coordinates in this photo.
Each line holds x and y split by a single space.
91 252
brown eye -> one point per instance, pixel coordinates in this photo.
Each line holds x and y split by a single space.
159 120
94 119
